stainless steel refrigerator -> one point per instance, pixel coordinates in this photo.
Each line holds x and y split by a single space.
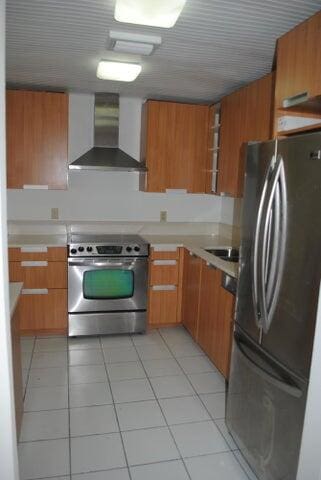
279 279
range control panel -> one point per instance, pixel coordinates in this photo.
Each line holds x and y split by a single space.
84 250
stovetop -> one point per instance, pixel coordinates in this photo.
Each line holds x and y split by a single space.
95 245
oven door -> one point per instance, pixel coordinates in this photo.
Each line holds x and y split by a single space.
107 284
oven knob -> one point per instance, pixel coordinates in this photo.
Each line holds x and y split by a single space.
89 249
128 249
137 249
73 251
80 249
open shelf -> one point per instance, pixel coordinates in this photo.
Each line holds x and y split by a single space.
307 128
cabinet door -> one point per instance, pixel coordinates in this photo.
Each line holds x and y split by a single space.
299 61
230 143
162 305
222 335
246 115
176 146
191 292
37 137
43 312
39 274
208 310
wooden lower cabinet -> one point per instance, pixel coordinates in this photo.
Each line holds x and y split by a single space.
16 367
162 306
165 287
43 312
207 310
191 292
43 303
223 335
34 275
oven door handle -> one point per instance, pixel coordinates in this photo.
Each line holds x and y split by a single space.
99 263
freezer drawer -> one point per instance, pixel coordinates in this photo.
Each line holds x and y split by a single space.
265 411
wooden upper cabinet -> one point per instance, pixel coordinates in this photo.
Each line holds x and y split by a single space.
299 61
175 146
37 139
246 115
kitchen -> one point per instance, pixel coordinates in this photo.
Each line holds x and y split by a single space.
125 222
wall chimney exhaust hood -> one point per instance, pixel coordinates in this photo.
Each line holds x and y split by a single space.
105 155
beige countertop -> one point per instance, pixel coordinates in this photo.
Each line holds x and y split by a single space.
194 243
14 293
194 237
48 240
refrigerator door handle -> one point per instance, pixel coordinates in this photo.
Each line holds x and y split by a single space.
285 384
257 247
273 245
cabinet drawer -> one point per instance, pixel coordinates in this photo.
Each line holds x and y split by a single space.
162 305
163 272
51 254
39 274
170 254
43 310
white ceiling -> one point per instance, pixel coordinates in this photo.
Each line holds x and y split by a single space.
215 46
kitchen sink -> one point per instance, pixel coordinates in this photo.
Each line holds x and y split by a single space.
227 254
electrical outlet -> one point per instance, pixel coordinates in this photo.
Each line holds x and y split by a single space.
163 216
54 213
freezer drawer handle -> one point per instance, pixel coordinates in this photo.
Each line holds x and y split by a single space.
287 386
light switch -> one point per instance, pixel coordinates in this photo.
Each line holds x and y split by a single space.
163 216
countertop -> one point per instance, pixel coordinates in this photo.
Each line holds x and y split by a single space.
14 293
195 243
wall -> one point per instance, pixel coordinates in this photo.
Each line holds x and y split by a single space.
8 449
108 195
231 211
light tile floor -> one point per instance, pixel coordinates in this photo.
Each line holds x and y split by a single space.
127 407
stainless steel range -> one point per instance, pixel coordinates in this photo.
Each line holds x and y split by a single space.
107 284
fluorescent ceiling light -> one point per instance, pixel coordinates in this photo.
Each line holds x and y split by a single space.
155 13
117 71
130 47
135 43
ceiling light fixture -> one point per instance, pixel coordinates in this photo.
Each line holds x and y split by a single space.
155 13
135 43
117 71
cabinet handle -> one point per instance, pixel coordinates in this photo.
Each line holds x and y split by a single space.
35 187
175 190
164 262
34 264
165 288
33 249
166 248
295 99
34 291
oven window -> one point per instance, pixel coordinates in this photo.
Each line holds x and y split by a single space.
108 284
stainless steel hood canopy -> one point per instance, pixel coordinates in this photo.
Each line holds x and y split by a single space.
105 155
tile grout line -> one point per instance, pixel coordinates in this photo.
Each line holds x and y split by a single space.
68 403
139 361
200 399
230 449
159 405
29 368
115 411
